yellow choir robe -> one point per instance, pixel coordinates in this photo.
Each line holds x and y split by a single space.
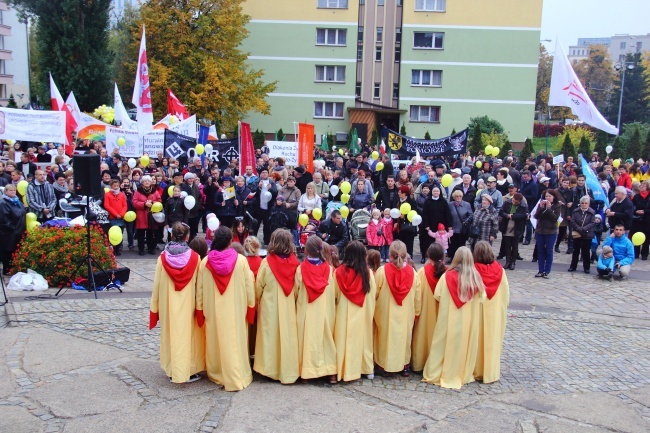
226 328
276 344
394 323
316 348
492 329
182 341
452 356
353 334
425 324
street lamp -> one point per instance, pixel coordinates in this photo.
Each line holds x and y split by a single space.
622 66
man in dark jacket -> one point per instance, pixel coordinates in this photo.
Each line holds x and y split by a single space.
334 231
388 195
621 210
468 190
529 191
303 177
513 216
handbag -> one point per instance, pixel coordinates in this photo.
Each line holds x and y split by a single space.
474 231
575 234
465 225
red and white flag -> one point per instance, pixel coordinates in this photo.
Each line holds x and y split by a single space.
246 147
567 91
71 102
175 106
70 124
142 91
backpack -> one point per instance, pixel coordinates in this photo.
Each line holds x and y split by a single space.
278 220
358 225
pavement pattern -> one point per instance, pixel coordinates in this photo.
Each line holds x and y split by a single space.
576 358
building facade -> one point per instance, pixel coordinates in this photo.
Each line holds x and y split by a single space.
429 65
14 57
581 50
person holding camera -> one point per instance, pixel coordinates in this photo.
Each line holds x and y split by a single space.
547 215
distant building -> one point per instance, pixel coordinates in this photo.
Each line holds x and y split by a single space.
14 57
617 46
581 50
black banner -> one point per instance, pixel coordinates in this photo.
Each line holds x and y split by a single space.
224 151
406 146
180 147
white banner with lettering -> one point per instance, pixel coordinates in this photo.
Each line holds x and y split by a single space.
131 145
284 149
32 125
154 142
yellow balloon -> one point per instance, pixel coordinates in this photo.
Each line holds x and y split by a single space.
33 226
345 211
376 194
345 198
345 187
488 150
121 141
157 207
22 187
379 166
317 213
25 200
638 238
303 219
479 164
106 190
199 149
495 151
170 191
411 215
30 217
129 217
374 155
616 163
115 235
144 160
341 152
405 208
446 180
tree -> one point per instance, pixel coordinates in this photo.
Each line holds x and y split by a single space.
279 136
120 42
619 148
505 148
193 48
453 131
646 148
567 148
527 151
374 137
636 95
12 102
402 130
633 148
427 136
486 125
601 144
71 40
544 69
585 147
596 73
476 142
258 139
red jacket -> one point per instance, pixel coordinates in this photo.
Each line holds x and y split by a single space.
115 204
375 240
141 211
625 180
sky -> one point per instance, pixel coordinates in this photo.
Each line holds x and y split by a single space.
569 20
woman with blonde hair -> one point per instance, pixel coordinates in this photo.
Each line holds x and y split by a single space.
493 314
424 327
398 304
309 200
252 249
316 312
459 292
276 344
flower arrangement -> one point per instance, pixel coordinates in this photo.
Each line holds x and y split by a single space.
55 252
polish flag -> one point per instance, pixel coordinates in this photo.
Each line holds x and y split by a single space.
142 90
70 124
175 106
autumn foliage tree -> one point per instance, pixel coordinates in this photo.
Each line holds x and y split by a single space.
193 48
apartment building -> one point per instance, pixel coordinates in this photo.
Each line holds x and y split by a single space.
14 57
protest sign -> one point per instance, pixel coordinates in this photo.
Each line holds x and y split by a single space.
407 147
32 125
132 142
284 149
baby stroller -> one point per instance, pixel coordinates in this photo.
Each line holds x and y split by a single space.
311 229
358 225
332 206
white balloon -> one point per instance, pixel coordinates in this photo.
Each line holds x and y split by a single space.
609 149
417 220
183 194
189 202
213 223
132 162
266 196
208 148
334 190
159 217
395 213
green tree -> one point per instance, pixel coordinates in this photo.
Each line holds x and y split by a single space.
476 142
585 147
636 95
544 69
374 138
427 136
601 144
71 40
258 138
402 130
619 148
633 148
193 47
486 125
505 148
12 102
645 154
279 136
453 131
120 42
568 149
527 151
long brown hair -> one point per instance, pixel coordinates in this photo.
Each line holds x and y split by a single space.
483 253
281 243
354 257
374 260
436 253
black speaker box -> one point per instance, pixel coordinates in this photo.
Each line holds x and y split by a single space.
120 274
87 177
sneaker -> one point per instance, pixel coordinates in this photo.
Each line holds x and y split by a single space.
405 372
571 269
194 378
609 277
587 271
539 274
623 278
370 376
526 242
545 275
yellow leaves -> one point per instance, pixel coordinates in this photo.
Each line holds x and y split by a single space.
575 134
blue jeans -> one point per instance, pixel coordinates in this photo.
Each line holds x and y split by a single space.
383 250
545 244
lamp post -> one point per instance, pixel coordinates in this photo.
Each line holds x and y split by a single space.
622 66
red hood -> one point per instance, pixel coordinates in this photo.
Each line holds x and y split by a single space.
399 281
429 273
350 284
180 276
491 275
284 270
315 278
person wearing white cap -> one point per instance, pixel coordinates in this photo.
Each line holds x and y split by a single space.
493 192
456 175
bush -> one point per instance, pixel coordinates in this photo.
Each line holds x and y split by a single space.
56 252
539 130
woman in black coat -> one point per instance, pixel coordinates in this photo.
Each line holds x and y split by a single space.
641 219
12 225
403 230
583 221
436 211
513 216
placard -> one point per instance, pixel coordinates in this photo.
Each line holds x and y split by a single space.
131 147
284 149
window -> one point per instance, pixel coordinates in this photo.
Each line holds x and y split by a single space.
398 53
334 74
360 34
333 4
398 36
3 71
428 40
378 54
357 89
2 42
380 2
623 45
328 109
377 90
424 77
424 113
395 91
331 37
380 33
360 52
430 5
639 46
399 2
362 2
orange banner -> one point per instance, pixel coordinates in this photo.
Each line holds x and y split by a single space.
306 146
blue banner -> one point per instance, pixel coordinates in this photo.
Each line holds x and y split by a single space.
592 181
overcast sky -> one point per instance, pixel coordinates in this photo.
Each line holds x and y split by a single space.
573 19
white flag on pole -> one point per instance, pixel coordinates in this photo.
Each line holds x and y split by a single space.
141 91
567 91
71 102
121 115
